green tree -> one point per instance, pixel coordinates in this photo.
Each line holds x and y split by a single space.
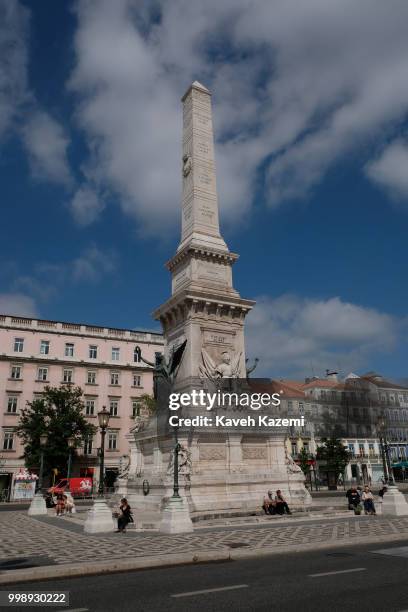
60 414
148 402
335 455
303 458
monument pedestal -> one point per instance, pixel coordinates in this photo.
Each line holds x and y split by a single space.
394 502
38 506
99 518
176 517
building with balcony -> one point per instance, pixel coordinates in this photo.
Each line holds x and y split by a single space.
349 409
105 362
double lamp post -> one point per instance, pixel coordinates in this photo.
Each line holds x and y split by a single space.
385 452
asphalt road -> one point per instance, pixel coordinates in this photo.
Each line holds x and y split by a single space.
352 578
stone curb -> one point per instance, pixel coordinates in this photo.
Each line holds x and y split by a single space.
71 570
170 560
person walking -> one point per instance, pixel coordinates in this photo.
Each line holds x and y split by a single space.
125 516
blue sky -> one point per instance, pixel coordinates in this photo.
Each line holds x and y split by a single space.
310 110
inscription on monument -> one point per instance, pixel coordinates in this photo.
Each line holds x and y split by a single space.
204 178
203 148
207 270
202 120
224 339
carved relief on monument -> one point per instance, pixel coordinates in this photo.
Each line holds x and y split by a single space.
212 452
187 164
254 452
226 364
184 462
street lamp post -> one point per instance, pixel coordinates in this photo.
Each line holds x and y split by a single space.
103 419
100 516
388 472
38 505
383 459
176 516
43 444
70 442
176 494
391 479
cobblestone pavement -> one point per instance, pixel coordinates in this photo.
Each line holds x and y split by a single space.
60 541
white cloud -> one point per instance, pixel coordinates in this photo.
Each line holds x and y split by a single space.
13 62
296 85
45 281
17 304
43 137
306 335
86 206
92 265
390 169
46 144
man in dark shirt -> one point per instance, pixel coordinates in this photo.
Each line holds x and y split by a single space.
353 498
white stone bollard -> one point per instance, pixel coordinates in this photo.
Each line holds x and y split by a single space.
176 517
394 502
100 519
38 506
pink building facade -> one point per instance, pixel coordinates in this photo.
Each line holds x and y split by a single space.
104 362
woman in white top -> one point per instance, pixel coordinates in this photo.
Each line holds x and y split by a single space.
368 501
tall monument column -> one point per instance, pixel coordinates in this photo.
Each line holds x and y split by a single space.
204 308
219 469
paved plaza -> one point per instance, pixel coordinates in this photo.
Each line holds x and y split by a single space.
53 541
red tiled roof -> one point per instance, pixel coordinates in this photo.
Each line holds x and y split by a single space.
276 386
323 384
288 390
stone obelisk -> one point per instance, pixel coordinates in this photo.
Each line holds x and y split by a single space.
204 308
218 470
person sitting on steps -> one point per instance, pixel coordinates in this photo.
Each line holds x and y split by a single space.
269 503
125 516
368 501
281 504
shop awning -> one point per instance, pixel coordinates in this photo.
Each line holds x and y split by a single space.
400 464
